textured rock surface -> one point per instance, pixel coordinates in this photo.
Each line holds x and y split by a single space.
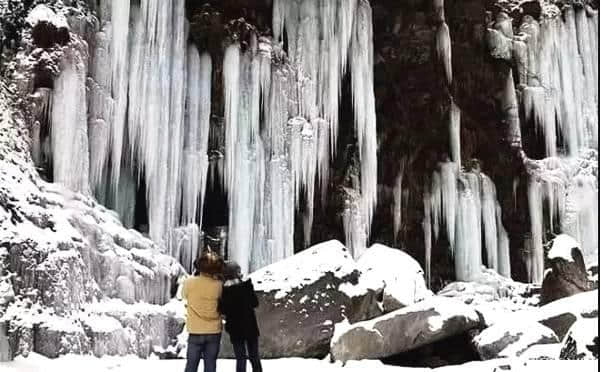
428 321
511 338
581 341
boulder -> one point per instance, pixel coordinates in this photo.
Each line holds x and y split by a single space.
58 336
566 274
511 338
303 296
542 352
400 276
561 314
423 323
581 341
107 336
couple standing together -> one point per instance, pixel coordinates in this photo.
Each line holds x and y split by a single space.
217 291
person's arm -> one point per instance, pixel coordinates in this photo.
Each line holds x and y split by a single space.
253 298
184 290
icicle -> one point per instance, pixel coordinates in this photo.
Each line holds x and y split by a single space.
119 55
443 50
397 204
361 64
231 84
490 228
427 233
449 172
454 129
503 245
467 256
536 254
436 204
69 134
354 225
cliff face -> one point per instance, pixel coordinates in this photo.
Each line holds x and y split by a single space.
486 143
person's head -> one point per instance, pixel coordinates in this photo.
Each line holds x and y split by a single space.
232 271
209 263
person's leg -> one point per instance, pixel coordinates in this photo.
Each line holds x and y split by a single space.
195 349
254 355
211 352
239 349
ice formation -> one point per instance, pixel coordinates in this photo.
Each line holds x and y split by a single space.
325 39
560 96
463 207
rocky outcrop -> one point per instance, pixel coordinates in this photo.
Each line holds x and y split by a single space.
511 338
400 276
581 341
566 274
426 322
302 297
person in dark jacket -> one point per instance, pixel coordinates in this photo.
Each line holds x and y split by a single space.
237 305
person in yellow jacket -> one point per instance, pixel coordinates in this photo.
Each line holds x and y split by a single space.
203 321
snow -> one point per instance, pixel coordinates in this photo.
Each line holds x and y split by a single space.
73 363
562 246
582 333
398 273
41 13
522 334
304 268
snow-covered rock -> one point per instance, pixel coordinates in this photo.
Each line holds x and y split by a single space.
542 352
581 341
62 252
566 274
511 338
420 324
493 296
561 314
303 296
400 276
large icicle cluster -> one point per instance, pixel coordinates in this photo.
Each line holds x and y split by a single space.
134 126
325 39
462 207
559 71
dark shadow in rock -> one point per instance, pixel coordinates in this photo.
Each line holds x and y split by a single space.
451 351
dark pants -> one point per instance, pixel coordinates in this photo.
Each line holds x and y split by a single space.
246 349
203 347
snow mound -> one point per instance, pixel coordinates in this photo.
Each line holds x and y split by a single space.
562 246
42 13
400 276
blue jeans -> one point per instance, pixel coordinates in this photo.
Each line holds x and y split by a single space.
203 347
251 346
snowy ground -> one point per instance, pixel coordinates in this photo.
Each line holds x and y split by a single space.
72 363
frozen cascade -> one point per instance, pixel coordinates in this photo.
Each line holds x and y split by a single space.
535 257
463 206
69 134
443 51
323 38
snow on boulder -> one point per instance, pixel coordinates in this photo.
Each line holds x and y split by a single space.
57 336
511 338
581 341
561 314
566 274
542 352
400 276
48 27
494 296
303 296
433 319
